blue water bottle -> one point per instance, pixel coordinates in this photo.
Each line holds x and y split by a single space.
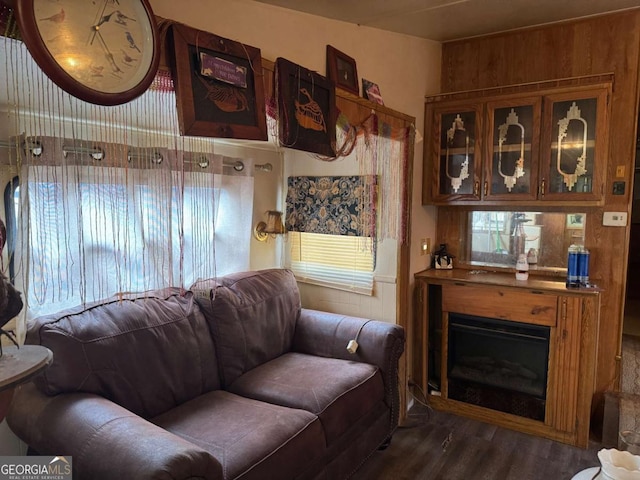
583 267
572 266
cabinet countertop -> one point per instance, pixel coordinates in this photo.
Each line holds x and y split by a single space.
502 279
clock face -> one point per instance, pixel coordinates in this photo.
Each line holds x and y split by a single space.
103 51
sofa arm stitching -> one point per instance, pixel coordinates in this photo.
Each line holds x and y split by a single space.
336 320
87 443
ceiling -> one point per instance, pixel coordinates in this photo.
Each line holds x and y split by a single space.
445 20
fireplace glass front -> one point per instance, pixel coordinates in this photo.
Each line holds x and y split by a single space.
498 364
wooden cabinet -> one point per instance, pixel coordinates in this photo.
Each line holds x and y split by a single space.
570 319
545 146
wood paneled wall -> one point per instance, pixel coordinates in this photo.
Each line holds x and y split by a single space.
595 45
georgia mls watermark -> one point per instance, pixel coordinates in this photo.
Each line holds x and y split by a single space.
36 468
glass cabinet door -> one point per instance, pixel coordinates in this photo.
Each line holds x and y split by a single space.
575 145
511 167
457 152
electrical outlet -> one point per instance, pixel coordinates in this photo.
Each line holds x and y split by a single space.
614 219
425 246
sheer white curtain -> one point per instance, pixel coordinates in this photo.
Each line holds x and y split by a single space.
94 228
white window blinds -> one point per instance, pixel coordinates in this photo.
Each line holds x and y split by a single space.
338 261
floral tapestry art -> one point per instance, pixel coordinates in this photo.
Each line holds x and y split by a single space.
332 205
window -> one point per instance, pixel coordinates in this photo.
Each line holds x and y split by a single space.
91 240
332 221
338 261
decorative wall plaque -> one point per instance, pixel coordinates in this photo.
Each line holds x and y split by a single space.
219 86
306 109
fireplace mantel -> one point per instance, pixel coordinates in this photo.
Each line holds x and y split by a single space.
571 315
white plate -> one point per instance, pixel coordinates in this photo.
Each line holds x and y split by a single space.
587 474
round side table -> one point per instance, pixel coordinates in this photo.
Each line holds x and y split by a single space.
19 365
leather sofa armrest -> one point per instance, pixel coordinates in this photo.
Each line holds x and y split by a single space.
379 343
105 440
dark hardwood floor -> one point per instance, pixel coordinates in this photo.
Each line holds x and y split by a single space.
442 446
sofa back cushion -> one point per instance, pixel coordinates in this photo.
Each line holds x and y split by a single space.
252 317
147 352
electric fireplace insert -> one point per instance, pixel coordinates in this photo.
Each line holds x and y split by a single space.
498 364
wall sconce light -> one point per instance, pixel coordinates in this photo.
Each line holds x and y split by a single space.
273 226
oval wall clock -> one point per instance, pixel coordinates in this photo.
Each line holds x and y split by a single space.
101 51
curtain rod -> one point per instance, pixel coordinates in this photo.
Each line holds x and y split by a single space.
97 153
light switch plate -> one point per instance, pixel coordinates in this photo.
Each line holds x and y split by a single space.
614 219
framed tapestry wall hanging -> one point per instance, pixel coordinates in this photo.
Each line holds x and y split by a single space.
306 109
219 86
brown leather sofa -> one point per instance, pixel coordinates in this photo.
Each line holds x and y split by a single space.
230 380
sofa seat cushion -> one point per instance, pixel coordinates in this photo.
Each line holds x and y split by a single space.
339 391
251 439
